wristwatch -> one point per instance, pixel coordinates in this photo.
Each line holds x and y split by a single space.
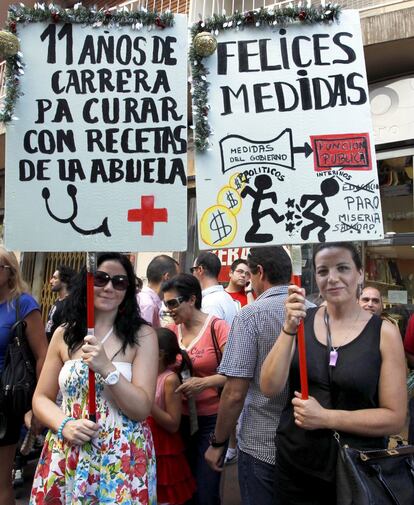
213 442
112 378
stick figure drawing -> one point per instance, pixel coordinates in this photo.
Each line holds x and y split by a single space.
262 183
329 187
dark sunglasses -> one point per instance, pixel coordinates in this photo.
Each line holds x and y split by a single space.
174 303
193 269
119 282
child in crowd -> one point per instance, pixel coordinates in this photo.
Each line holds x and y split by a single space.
175 483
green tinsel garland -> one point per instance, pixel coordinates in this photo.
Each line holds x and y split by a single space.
79 14
259 18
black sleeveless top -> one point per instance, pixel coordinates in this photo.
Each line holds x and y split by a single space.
353 385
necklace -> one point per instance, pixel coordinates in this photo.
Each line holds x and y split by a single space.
333 353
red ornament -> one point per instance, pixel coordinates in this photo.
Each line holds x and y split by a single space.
55 16
12 26
159 23
302 15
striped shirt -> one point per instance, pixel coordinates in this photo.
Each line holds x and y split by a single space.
252 335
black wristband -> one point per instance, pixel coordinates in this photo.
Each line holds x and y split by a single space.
289 333
213 442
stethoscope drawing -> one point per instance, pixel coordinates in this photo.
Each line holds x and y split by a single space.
71 189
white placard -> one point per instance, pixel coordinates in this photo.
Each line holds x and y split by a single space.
292 158
97 158
397 296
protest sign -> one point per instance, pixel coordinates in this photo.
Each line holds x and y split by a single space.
290 159
97 157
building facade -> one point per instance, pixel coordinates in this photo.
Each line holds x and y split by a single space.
388 34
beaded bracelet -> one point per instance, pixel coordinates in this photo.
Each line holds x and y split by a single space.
62 425
289 333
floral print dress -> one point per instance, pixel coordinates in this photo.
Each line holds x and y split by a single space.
116 467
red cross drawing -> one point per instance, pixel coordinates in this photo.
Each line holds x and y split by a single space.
148 215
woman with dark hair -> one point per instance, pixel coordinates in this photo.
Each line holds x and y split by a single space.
112 460
13 290
356 374
203 337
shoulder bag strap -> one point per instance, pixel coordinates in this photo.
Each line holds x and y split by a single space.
17 309
19 333
18 326
216 346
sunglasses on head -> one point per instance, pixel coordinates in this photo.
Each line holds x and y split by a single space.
119 282
174 303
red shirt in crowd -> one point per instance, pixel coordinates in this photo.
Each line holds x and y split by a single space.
409 336
239 297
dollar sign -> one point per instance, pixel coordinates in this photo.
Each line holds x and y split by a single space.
232 201
217 224
237 183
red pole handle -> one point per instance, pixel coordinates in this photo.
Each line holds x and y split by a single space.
90 320
302 350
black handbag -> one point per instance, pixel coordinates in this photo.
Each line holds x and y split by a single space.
18 378
375 477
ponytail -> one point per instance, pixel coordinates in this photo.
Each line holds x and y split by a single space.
168 344
185 364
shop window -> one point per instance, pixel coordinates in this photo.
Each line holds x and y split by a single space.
389 268
396 186
389 263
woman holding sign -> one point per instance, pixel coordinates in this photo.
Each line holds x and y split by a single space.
112 460
356 376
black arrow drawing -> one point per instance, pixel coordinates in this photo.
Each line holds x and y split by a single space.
305 149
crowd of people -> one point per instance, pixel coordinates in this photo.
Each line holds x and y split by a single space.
191 376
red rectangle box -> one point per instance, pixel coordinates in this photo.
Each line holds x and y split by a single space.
349 151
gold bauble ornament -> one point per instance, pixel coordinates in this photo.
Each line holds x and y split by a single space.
9 44
205 43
